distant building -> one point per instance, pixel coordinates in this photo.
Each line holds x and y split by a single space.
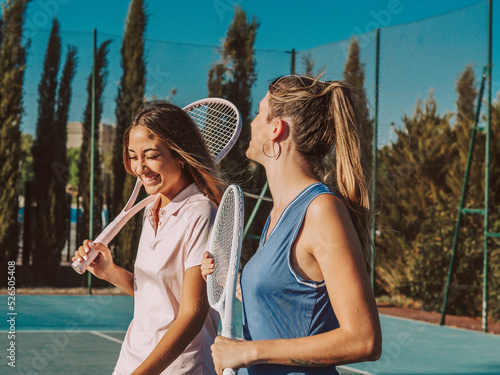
106 136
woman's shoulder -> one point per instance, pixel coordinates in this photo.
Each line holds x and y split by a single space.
327 205
199 205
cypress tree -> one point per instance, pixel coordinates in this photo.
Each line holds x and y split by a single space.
60 160
12 66
45 254
309 65
354 74
354 70
49 157
130 97
232 78
84 162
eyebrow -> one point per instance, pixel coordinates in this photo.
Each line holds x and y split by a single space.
146 150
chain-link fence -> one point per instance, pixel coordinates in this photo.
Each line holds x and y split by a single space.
420 60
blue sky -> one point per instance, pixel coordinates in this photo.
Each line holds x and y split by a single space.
315 27
284 24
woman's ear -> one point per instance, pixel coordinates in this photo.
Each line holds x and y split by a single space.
280 129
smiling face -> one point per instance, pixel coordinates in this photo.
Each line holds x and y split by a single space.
159 170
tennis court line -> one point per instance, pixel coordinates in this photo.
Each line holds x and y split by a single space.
356 370
106 337
423 322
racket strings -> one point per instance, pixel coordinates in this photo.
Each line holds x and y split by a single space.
217 123
222 248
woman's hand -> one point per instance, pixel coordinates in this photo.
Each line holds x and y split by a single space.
228 353
207 268
207 265
102 264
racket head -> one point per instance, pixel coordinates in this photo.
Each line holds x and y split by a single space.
219 122
225 248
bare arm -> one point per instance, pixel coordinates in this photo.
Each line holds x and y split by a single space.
192 313
328 237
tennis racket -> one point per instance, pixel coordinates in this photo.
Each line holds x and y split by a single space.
219 122
225 248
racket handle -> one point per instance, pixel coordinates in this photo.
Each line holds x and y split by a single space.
229 371
82 267
114 227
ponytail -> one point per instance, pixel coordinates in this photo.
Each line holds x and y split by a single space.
330 115
351 160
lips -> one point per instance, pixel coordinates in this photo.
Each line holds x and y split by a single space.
150 179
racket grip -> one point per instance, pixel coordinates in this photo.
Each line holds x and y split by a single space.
229 371
82 267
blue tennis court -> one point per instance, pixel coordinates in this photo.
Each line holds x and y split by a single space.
83 335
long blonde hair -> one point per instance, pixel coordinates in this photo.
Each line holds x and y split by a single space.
179 133
326 119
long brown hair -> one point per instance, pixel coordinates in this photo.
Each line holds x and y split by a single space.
181 136
326 119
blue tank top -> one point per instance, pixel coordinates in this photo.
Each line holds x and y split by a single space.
278 303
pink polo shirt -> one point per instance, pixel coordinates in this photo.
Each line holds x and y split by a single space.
182 236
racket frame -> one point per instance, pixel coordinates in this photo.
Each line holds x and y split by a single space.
128 211
235 112
226 303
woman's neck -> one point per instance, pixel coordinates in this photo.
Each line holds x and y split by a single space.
287 177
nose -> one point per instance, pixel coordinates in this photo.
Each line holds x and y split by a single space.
140 166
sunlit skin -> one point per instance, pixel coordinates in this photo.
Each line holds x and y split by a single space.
327 248
155 166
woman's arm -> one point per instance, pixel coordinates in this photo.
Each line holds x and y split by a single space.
329 238
192 314
104 268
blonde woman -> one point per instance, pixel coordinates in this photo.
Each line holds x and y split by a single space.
173 326
307 300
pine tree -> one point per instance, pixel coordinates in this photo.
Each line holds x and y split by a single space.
1 27
12 66
494 243
469 249
84 162
420 154
49 157
465 116
130 97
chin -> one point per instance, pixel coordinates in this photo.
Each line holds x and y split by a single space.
249 154
152 189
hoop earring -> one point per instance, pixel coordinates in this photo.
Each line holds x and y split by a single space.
275 155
